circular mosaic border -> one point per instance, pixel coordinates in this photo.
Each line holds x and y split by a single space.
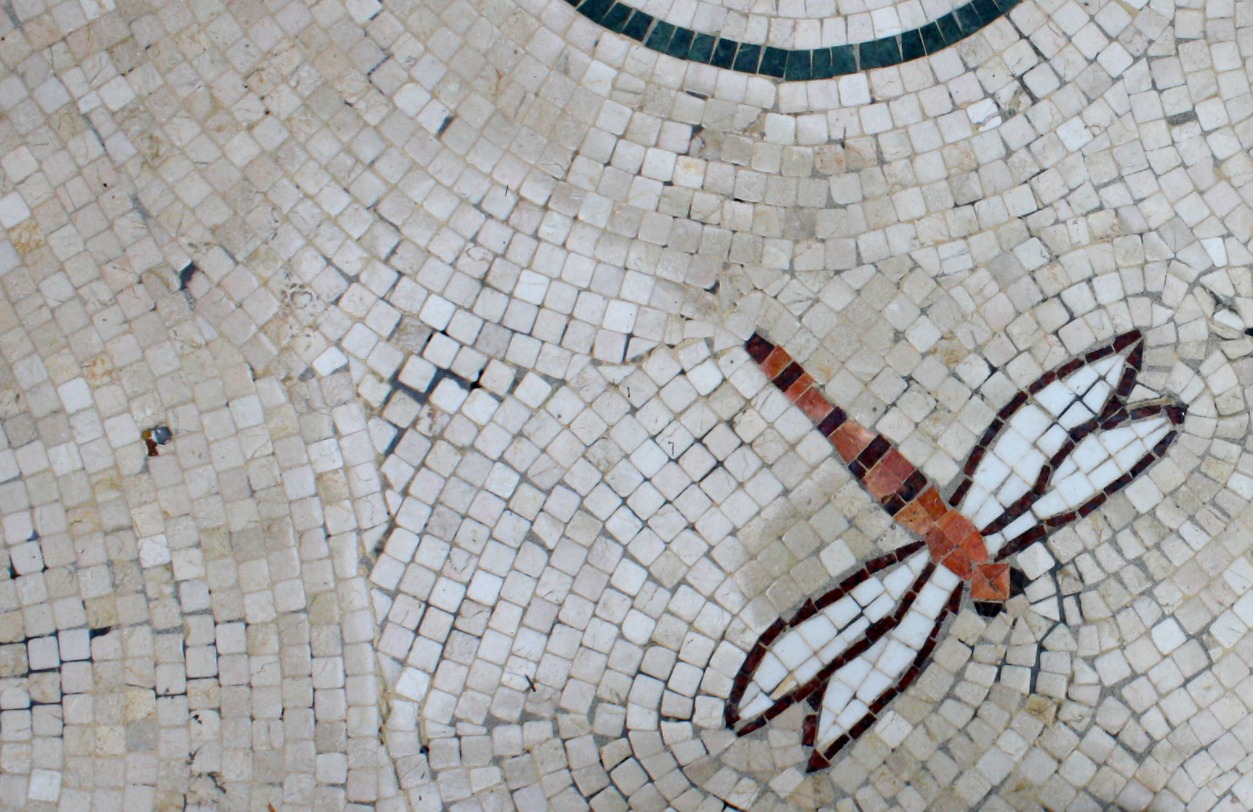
793 65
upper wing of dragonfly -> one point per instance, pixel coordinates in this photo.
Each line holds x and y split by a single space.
1062 446
1055 452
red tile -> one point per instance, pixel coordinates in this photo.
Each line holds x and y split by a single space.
940 544
895 463
886 477
880 483
956 543
799 387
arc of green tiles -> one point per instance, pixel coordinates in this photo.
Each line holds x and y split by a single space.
784 63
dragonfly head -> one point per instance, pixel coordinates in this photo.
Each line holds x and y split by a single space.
993 585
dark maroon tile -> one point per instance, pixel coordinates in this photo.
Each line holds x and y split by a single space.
758 348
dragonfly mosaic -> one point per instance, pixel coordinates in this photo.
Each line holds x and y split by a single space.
1053 454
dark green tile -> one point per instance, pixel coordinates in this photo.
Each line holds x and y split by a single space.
659 40
949 30
911 46
844 59
702 48
932 38
595 10
637 27
616 18
573 2
879 53
821 66
680 43
724 54
968 18
773 62
747 58
798 66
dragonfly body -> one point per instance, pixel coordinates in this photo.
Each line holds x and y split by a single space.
1054 453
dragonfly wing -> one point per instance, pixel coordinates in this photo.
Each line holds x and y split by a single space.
792 660
863 686
1104 461
1099 460
1003 475
1009 469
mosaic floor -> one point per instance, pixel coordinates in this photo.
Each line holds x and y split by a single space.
626 404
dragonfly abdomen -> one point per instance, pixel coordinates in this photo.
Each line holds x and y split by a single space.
903 491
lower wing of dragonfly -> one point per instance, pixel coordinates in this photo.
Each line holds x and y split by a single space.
850 652
1053 454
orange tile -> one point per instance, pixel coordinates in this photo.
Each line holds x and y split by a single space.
973 545
775 362
799 387
813 403
931 501
961 565
953 524
914 516
990 582
851 439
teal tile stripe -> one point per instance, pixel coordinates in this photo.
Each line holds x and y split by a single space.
793 65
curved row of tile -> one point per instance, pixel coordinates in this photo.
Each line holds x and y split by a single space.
415 623
720 50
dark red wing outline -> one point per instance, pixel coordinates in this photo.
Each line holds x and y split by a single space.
861 459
